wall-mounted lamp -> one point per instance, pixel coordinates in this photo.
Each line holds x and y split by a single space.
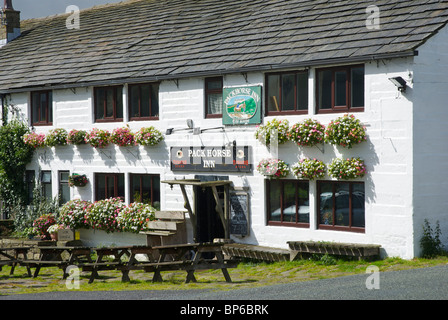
190 126
400 83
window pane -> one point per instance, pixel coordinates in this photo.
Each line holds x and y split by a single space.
214 103
357 87
326 203
214 84
288 82
120 184
340 88
35 105
358 205
274 200
273 92
109 103
154 100
156 192
119 102
302 91
289 202
325 79
50 106
145 102
134 100
342 204
43 103
99 103
304 203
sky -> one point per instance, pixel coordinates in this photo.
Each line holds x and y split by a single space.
44 8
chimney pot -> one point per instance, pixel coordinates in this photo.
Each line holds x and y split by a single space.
8 5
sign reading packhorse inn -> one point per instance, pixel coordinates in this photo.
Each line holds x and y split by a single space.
241 105
211 159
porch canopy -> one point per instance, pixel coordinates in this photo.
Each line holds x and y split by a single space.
221 208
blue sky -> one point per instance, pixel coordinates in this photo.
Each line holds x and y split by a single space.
43 8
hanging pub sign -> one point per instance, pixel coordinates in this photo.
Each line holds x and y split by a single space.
211 159
241 105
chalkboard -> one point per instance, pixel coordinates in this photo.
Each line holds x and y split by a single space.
239 213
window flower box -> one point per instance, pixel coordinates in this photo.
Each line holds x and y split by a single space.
56 137
346 169
35 140
345 131
149 136
76 137
122 137
264 132
309 169
98 138
273 168
307 133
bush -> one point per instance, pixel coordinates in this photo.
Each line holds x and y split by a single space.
430 242
135 217
104 214
149 136
73 214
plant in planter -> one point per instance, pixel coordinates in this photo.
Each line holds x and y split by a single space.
56 137
53 231
148 136
273 168
98 138
346 169
135 217
76 137
35 140
307 133
104 214
122 137
280 127
77 180
345 131
309 169
42 224
73 214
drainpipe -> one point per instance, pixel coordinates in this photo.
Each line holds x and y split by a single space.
3 110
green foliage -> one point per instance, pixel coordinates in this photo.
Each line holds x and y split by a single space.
430 242
14 156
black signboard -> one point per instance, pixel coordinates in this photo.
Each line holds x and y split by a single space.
239 209
211 159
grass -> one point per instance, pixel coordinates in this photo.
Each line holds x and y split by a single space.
247 274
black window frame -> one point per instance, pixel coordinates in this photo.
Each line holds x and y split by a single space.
279 104
36 110
282 222
142 86
116 103
48 194
350 227
62 183
348 90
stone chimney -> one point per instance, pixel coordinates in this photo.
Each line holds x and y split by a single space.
9 24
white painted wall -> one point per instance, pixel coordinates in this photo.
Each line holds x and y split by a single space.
430 97
388 154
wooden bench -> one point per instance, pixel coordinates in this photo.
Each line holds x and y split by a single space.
367 251
168 228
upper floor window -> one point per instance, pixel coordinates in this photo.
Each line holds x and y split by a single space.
287 93
144 101
213 97
340 89
108 103
42 108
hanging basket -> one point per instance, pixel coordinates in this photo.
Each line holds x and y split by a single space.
77 180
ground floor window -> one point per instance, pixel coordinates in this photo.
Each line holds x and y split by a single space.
45 180
145 188
64 188
109 185
341 205
30 183
288 202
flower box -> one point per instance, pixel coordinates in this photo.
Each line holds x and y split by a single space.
148 136
77 180
307 133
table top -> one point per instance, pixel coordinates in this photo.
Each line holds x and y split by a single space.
189 245
15 248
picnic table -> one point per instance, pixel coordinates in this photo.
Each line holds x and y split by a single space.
13 259
53 256
191 257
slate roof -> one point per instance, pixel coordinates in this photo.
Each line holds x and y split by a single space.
145 40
